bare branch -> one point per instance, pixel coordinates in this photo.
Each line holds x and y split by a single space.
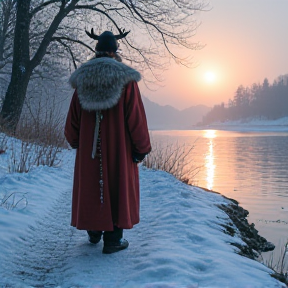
41 7
93 8
148 23
59 40
63 12
72 40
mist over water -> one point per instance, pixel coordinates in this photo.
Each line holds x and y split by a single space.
250 167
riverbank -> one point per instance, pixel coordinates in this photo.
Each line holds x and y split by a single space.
181 241
255 244
250 124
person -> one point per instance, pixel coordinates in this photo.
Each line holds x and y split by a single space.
106 123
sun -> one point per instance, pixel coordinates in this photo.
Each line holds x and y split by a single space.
210 77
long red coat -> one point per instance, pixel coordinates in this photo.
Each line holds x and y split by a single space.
123 131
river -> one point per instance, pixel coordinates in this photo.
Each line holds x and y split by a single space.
250 167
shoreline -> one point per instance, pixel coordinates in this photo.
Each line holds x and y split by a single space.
250 124
255 243
246 128
247 232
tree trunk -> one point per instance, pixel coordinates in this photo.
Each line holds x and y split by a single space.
21 70
14 100
22 65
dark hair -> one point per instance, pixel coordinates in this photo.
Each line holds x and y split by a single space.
100 54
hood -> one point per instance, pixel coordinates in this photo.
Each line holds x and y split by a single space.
100 81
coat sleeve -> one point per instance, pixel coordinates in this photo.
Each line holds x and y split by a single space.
72 125
137 122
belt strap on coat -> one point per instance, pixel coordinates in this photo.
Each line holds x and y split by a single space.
96 133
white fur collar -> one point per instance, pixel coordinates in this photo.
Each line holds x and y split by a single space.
100 81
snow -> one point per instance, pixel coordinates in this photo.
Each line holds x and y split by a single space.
280 125
178 243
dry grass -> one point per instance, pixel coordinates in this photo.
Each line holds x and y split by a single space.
28 155
42 126
281 267
175 159
14 200
41 142
38 139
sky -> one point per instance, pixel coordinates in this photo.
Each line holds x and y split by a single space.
245 42
169 248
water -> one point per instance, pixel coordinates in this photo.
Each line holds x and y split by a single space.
250 167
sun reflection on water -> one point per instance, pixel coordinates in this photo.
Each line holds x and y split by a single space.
209 159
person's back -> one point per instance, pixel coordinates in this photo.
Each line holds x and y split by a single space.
107 125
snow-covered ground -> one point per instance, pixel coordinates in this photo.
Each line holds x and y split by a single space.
252 125
179 242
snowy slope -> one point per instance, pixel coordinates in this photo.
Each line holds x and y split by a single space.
178 243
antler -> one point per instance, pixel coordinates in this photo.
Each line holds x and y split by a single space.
92 34
122 34
117 37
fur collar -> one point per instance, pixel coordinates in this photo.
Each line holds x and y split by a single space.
99 82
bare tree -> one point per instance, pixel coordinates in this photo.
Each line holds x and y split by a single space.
7 23
54 28
7 17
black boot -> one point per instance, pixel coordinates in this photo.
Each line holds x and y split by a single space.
94 236
113 241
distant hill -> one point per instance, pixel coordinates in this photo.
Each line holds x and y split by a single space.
168 117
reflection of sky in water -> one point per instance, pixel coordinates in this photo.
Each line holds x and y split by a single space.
209 158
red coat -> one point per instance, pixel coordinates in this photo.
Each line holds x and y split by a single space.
123 131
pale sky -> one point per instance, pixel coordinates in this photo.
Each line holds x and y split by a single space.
246 41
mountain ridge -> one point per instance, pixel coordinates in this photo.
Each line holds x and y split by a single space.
161 117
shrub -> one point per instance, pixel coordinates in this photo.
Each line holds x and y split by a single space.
175 159
24 155
40 137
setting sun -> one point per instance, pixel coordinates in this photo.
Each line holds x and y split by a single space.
210 77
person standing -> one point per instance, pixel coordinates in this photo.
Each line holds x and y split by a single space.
106 123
